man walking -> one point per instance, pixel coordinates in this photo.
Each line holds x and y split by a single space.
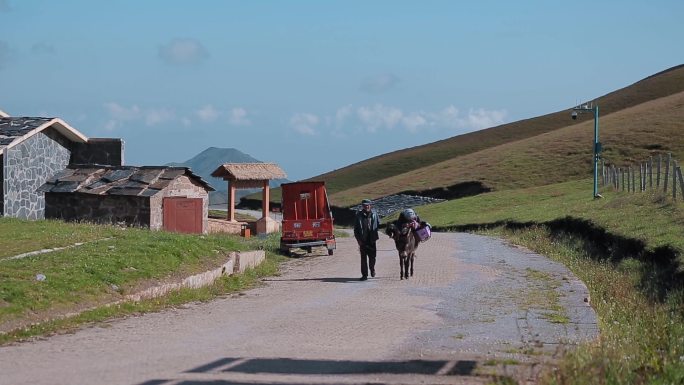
366 234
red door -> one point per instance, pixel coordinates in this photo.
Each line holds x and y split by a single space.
183 215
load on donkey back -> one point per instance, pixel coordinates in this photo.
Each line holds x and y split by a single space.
408 231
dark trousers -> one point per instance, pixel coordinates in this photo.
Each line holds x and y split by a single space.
368 252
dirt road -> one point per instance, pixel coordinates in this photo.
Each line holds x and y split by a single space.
474 306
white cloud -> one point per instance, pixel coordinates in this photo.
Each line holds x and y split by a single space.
379 116
304 123
342 114
476 119
208 113
158 116
380 83
481 118
183 52
238 117
414 122
111 125
119 114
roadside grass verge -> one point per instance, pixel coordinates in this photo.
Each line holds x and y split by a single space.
20 236
92 275
627 249
222 287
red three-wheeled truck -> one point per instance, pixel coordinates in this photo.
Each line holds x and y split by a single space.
307 218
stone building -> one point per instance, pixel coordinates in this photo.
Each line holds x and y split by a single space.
33 149
158 197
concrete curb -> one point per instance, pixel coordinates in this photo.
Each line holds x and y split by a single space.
237 262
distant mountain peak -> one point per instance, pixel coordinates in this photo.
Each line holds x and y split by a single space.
208 160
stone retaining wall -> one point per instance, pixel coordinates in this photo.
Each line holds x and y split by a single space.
237 262
224 226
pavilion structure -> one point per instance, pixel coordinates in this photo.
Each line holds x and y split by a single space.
251 175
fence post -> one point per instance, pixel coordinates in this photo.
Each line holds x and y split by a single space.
650 172
622 175
633 180
660 160
667 172
641 177
681 181
643 182
616 182
674 181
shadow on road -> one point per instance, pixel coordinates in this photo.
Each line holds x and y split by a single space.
290 366
331 279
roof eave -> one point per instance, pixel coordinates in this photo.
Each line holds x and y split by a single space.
61 126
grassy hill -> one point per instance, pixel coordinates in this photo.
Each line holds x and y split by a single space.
628 136
660 85
537 151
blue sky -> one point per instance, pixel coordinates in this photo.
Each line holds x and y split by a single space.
318 85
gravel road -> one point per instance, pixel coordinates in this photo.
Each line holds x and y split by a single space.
475 306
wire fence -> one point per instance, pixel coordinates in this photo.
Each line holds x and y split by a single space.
658 173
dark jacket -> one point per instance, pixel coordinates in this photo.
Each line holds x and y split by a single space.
362 232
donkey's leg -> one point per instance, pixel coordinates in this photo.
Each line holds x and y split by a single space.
406 267
401 267
412 257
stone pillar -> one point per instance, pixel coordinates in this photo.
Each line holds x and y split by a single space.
231 201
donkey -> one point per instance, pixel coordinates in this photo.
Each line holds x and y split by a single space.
406 243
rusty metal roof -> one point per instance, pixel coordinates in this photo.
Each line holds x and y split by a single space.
118 180
249 171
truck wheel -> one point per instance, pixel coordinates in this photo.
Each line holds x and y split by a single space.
330 251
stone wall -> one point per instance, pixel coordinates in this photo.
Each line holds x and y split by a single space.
224 226
27 166
180 187
2 186
105 209
104 151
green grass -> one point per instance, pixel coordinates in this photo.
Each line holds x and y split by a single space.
220 288
650 218
20 237
627 248
642 339
101 272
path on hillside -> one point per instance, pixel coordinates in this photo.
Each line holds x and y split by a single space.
473 305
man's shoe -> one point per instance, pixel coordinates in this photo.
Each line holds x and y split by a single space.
373 273
363 278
